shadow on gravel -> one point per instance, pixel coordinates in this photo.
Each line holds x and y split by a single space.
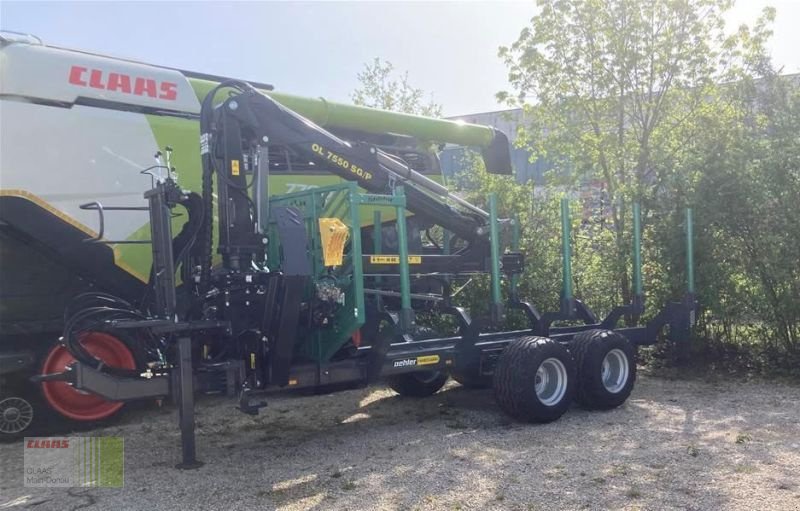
672 445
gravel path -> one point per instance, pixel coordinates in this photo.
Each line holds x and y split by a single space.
674 445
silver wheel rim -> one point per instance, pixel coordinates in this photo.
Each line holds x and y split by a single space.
551 381
16 414
615 370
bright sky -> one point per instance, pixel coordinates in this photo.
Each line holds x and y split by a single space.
316 49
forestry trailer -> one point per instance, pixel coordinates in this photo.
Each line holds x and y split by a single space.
276 242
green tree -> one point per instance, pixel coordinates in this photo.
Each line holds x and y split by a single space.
747 198
617 90
381 87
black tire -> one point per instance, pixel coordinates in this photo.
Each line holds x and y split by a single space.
17 392
19 414
471 379
518 372
599 389
418 383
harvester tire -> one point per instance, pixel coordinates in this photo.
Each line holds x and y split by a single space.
534 380
418 383
21 411
606 363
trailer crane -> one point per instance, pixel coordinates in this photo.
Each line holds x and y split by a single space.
305 297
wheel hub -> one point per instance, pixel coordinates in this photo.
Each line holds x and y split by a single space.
16 413
615 370
551 381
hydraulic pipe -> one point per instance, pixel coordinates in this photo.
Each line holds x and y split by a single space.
407 173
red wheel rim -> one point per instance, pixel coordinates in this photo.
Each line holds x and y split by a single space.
73 403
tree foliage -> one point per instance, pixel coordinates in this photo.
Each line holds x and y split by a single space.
619 88
380 86
656 101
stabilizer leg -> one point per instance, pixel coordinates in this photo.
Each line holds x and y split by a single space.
186 406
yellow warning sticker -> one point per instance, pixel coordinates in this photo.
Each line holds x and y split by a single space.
234 167
378 259
427 360
393 259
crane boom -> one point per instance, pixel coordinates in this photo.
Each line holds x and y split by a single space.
235 132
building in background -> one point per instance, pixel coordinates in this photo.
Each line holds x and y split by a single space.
507 121
591 195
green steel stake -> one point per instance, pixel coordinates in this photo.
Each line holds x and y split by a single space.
406 313
566 260
689 252
515 235
355 256
377 240
637 249
494 239
638 288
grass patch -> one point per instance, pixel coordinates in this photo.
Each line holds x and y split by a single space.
744 469
251 426
633 493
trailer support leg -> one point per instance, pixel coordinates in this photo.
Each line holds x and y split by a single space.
186 405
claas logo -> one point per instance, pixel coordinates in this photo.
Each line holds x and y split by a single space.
38 443
121 82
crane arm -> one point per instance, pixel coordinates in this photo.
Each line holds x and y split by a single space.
248 121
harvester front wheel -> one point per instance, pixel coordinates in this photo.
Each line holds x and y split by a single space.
606 364
418 383
534 380
76 404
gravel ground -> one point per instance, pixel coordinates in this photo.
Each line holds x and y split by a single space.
675 444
